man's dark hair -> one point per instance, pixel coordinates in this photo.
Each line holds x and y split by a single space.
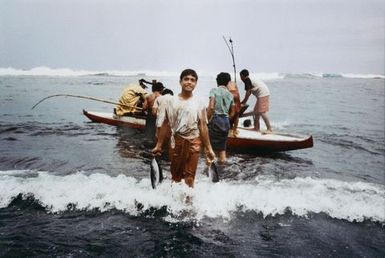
157 86
223 78
188 72
167 91
244 72
141 83
247 123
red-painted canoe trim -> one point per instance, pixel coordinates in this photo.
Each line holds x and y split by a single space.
253 145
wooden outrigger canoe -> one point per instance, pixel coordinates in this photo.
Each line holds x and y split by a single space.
247 141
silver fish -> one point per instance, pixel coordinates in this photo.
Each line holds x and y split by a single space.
213 172
156 174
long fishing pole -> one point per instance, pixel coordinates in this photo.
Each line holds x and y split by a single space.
86 97
231 49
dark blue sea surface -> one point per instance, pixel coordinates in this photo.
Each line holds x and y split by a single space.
70 187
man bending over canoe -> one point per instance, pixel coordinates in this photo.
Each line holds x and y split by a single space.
262 93
134 100
187 118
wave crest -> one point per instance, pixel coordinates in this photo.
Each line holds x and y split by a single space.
47 71
352 201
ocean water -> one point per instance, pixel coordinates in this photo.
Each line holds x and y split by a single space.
74 188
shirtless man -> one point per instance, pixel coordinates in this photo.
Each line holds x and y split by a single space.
234 120
151 117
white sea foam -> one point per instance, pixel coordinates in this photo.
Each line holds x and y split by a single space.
363 76
47 71
268 76
330 75
353 201
44 71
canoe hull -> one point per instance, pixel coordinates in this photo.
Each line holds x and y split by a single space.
248 141
245 145
106 118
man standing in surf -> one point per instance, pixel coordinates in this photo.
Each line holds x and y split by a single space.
186 116
157 91
262 93
220 111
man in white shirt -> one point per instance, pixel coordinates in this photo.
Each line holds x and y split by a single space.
186 116
262 93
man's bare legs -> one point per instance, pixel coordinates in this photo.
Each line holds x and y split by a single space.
256 122
222 156
234 131
256 117
264 117
267 122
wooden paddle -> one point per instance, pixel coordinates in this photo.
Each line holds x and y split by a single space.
86 97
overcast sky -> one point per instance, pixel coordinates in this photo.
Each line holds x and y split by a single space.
169 35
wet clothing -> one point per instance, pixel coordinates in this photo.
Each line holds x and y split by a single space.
185 144
219 124
258 88
219 127
261 91
150 127
159 99
183 115
223 100
184 159
159 104
262 105
130 97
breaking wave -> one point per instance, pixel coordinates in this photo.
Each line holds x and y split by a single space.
352 201
47 71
